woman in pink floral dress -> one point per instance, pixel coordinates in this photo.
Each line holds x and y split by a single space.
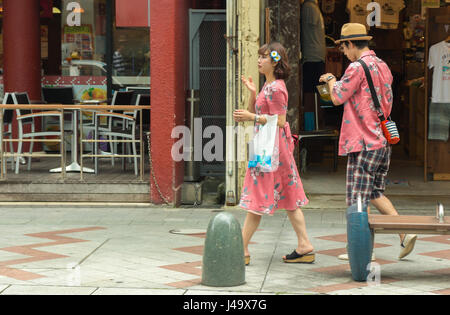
265 192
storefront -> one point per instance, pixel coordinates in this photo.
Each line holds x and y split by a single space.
404 34
95 47
101 46
75 48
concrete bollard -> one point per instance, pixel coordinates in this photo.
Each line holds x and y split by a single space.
223 255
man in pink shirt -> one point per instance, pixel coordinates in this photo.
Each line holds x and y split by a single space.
361 137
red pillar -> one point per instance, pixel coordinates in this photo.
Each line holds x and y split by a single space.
169 69
22 52
22 47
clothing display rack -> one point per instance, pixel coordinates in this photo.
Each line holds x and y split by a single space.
436 164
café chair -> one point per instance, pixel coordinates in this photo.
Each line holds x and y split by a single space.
119 132
126 129
8 115
119 98
27 117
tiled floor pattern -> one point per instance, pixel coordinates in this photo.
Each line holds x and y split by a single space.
38 255
443 254
333 275
193 268
341 270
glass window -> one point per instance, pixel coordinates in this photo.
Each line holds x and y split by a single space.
84 46
85 41
131 57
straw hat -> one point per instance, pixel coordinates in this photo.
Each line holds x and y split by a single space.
353 31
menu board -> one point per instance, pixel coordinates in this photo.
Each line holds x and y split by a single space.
81 39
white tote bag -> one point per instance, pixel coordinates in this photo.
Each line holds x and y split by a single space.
263 150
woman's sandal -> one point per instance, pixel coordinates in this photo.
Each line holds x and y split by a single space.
247 260
294 257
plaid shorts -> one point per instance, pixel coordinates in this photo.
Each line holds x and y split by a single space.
366 173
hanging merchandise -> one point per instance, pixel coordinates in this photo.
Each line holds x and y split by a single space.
417 26
389 17
328 6
439 61
429 4
357 10
439 114
407 35
390 10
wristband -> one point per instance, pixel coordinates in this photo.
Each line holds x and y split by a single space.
256 118
330 77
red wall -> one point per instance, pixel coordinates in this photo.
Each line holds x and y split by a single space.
22 52
169 69
22 47
132 13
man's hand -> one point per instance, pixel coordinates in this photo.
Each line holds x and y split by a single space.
326 77
330 79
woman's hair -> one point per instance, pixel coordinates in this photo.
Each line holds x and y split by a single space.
282 69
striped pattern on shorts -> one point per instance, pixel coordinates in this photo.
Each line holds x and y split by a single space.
366 174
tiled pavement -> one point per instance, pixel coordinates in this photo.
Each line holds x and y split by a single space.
154 250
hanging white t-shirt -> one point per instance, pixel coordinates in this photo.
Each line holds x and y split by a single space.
439 60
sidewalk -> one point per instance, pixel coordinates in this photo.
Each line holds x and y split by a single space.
154 250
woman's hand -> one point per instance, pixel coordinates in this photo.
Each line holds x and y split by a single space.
249 84
241 115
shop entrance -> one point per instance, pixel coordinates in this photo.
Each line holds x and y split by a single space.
208 77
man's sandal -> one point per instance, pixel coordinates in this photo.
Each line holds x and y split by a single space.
247 260
294 257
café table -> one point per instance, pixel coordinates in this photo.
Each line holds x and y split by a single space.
75 166
77 108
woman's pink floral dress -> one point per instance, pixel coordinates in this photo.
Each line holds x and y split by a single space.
263 193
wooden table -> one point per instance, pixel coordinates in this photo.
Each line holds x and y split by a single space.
408 224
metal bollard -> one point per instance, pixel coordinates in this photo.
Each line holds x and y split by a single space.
440 212
359 241
223 255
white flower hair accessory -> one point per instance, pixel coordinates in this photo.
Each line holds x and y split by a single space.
275 56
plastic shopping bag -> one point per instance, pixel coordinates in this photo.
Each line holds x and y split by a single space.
264 147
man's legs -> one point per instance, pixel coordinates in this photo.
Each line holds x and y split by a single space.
356 183
371 185
378 199
385 206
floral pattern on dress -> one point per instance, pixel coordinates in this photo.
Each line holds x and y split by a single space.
264 193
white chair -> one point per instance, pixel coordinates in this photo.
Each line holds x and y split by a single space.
143 100
7 126
119 98
27 117
126 131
